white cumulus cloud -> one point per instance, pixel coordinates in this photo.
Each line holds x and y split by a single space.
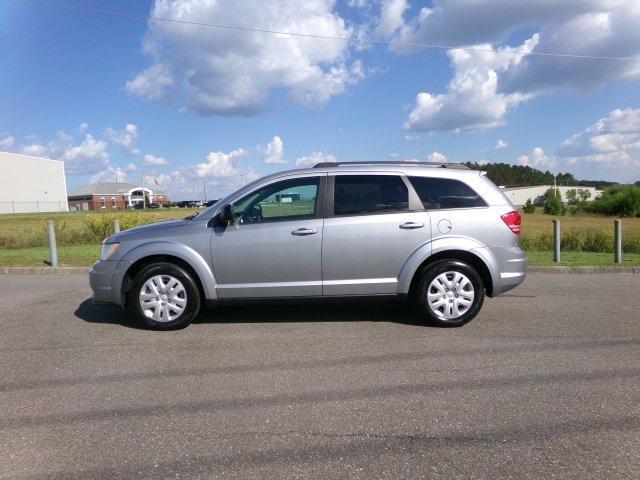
126 138
221 164
313 159
612 140
7 142
153 161
486 86
472 101
537 159
226 72
274 151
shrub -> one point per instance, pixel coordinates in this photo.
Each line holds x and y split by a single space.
621 201
529 207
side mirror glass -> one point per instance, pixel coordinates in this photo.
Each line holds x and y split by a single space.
225 216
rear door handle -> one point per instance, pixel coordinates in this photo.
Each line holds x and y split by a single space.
304 231
409 225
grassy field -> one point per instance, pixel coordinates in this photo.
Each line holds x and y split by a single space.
536 223
28 228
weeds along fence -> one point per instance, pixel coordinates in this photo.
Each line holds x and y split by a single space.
94 229
97 227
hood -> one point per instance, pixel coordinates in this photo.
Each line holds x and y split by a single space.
149 229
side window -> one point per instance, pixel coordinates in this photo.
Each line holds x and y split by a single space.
439 193
357 194
286 200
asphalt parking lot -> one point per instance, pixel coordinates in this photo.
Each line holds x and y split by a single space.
544 383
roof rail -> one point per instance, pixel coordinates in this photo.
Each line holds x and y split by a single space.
420 164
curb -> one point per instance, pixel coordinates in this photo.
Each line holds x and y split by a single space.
531 269
600 269
43 270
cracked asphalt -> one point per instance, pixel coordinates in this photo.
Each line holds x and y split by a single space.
544 383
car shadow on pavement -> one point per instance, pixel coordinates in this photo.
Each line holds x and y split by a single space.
109 314
325 310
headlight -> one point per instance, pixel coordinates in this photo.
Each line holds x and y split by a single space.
108 250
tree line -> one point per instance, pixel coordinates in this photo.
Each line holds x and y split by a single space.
505 174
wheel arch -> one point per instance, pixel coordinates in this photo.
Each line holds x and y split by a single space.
181 255
464 256
462 249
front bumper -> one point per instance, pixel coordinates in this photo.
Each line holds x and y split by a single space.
102 278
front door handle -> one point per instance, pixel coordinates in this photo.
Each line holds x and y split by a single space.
304 231
409 225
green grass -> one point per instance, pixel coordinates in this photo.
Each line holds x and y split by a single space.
74 256
580 259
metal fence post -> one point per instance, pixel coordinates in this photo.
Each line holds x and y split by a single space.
617 225
116 226
52 243
556 241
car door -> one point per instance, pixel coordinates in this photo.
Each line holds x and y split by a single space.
273 248
373 223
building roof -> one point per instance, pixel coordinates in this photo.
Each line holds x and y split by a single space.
107 188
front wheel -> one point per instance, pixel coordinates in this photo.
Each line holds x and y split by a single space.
164 296
450 293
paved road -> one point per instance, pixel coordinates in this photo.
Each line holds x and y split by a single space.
545 382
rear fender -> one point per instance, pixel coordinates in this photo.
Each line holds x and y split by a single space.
443 244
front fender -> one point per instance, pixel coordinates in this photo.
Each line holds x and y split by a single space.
438 245
181 251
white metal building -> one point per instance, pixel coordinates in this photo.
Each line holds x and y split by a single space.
520 195
32 184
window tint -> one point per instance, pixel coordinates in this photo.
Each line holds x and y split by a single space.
369 194
286 200
437 193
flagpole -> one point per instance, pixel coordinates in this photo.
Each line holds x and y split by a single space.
144 196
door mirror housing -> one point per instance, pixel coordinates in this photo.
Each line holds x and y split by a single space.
225 215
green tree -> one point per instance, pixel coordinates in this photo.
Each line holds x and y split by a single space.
572 197
584 195
553 203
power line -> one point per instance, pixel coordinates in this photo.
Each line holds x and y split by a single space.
115 13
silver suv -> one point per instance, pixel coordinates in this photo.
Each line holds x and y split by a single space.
440 235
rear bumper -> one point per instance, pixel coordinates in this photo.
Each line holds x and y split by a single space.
511 268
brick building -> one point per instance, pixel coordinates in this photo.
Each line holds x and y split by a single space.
108 196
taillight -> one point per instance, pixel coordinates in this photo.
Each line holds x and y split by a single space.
513 221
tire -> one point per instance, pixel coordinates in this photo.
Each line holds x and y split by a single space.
450 293
164 296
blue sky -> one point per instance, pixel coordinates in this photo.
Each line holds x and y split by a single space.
71 82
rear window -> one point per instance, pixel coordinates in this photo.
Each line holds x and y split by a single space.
360 194
439 193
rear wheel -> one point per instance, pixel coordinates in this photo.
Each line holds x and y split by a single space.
164 296
450 293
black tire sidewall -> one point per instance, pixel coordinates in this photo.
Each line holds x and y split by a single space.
193 296
431 272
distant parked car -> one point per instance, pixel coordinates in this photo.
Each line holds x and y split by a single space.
153 205
187 204
441 235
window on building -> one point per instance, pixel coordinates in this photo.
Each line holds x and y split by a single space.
102 202
113 202
441 193
358 194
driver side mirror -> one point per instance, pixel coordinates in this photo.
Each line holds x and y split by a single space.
225 216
